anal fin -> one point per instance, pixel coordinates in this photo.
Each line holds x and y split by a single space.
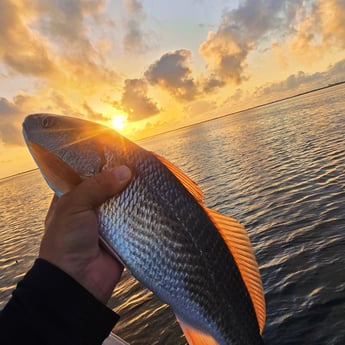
195 337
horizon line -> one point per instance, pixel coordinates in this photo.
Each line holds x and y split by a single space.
212 119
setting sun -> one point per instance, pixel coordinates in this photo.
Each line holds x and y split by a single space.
119 121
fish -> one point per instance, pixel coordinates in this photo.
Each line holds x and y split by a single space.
196 260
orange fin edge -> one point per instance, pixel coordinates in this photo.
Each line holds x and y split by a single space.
236 238
186 181
195 337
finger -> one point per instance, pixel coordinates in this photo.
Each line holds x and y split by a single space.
95 190
53 202
51 208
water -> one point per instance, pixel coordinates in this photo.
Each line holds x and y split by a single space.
280 170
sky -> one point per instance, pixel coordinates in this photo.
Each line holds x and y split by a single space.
149 66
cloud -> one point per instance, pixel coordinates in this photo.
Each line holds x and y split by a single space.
315 29
225 55
78 52
65 49
337 71
211 83
195 109
240 31
66 21
12 113
308 30
50 41
21 49
10 118
323 24
136 102
301 81
62 20
332 14
92 114
152 128
173 73
7 108
236 97
133 40
133 6
136 39
10 134
293 82
61 105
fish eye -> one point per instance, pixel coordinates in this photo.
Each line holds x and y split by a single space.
47 122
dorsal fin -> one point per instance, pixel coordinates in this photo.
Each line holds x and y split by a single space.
195 337
237 240
187 182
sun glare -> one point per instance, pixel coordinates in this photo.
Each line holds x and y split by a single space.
118 121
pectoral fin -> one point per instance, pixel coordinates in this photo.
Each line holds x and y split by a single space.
59 175
195 337
237 240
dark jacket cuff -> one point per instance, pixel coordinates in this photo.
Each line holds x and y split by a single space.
55 309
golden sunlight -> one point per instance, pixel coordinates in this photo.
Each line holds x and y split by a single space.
119 121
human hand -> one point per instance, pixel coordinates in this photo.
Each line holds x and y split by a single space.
71 239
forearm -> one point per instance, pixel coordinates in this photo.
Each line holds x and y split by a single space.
49 307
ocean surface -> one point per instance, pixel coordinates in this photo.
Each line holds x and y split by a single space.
280 170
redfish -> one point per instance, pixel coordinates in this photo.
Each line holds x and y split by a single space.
196 260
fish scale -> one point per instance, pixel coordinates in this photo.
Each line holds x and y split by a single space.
159 229
191 220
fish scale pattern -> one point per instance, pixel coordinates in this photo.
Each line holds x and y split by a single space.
168 242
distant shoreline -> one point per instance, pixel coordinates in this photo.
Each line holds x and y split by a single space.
246 109
20 173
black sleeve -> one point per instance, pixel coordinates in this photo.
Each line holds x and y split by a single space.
49 307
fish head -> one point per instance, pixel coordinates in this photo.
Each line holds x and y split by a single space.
66 149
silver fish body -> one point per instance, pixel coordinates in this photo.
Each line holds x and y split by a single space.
158 229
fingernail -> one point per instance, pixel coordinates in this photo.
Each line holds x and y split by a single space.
122 173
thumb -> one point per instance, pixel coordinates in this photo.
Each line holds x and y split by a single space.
94 191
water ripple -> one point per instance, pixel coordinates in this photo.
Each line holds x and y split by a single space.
279 169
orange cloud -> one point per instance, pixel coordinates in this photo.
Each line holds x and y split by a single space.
21 49
332 15
225 55
317 30
50 41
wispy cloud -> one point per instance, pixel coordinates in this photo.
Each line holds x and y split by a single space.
136 39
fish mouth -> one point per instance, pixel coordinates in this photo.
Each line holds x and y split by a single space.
60 176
